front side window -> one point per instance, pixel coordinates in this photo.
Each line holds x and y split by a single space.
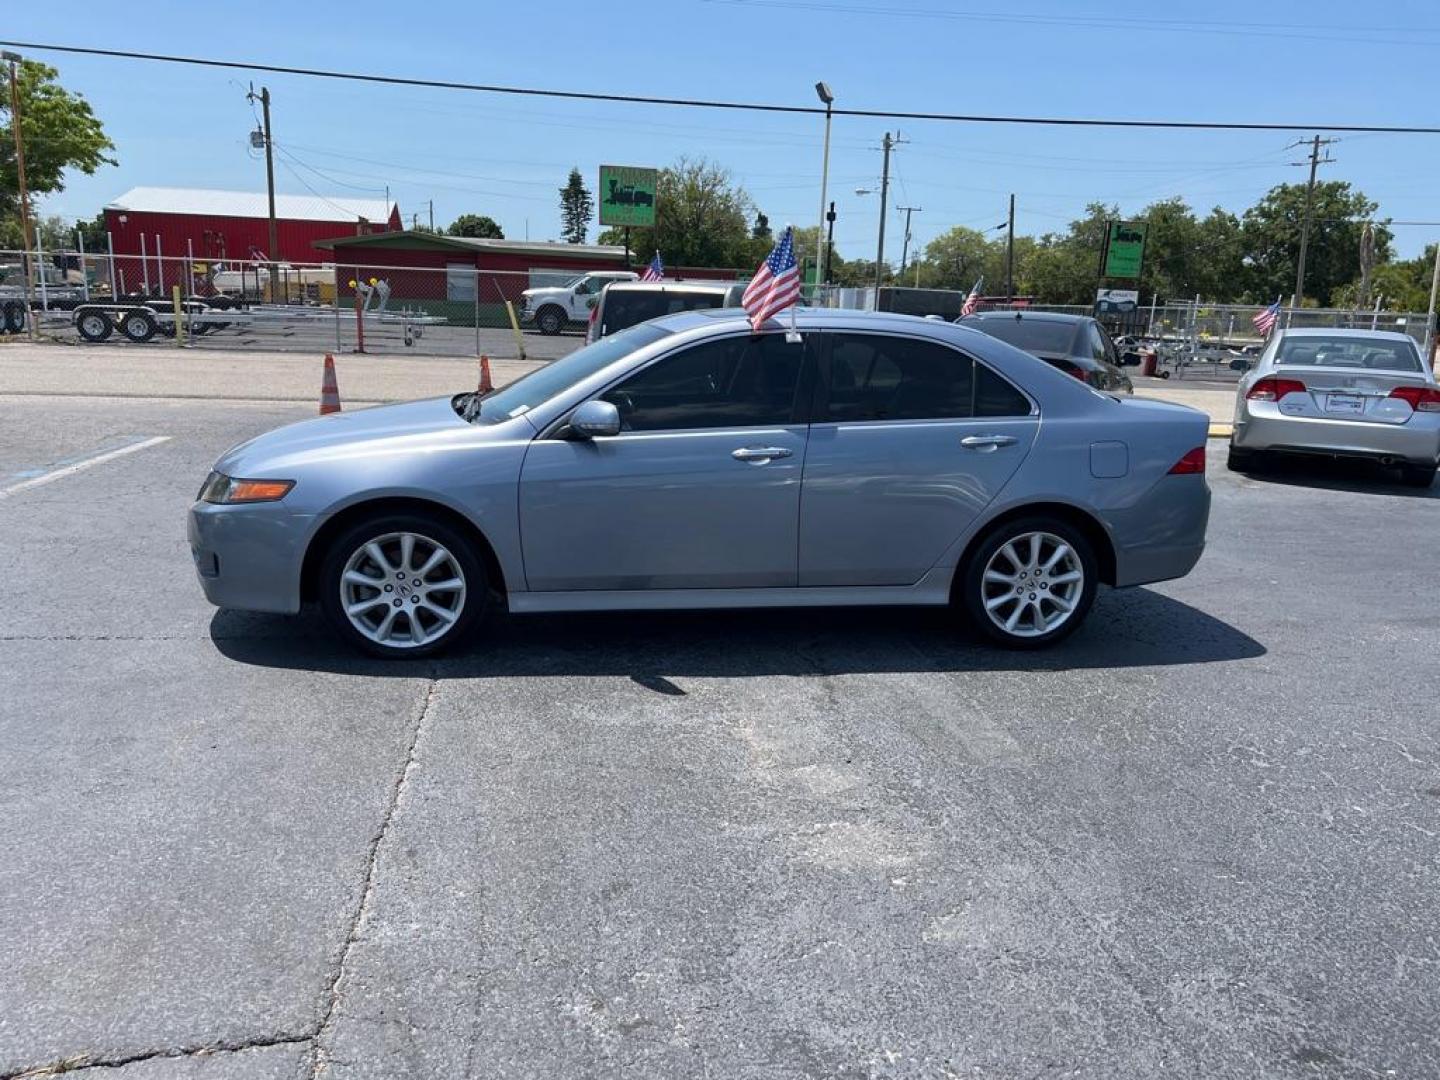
741 381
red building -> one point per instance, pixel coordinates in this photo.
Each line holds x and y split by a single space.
512 265
229 227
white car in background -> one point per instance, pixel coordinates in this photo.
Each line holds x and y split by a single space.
553 309
1340 393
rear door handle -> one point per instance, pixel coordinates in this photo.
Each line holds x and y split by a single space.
987 442
760 454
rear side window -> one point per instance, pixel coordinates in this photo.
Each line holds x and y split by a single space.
740 381
876 377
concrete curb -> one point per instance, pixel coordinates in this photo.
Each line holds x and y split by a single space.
1221 431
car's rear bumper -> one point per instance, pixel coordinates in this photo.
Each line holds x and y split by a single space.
1262 427
249 557
1163 535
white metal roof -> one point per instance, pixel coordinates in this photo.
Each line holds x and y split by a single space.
251 204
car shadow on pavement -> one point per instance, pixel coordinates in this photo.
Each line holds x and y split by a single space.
1359 477
1126 628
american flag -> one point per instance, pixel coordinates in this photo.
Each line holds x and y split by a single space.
973 300
776 284
1266 320
655 271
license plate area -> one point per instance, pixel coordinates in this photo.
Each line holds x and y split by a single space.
1345 404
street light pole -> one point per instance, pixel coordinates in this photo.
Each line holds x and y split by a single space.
822 260
25 226
1010 252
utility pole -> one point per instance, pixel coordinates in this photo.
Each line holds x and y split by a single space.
274 243
887 145
829 240
905 249
1315 160
26 231
1010 252
432 215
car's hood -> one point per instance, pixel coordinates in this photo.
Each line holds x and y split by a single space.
548 293
386 429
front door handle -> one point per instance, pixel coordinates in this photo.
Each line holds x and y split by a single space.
987 442
760 454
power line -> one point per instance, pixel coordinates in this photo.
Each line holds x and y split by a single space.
744 106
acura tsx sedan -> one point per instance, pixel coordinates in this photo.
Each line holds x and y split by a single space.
689 462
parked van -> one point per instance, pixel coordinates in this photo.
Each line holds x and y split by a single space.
625 303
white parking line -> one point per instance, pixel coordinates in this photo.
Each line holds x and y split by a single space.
78 466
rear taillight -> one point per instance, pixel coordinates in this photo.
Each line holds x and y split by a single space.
1419 398
1192 462
1273 389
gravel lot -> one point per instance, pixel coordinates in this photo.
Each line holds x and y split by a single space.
1198 840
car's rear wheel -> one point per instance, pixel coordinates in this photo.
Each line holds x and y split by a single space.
550 320
402 586
1420 476
1030 582
1238 459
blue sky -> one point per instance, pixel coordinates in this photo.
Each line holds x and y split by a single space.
506 156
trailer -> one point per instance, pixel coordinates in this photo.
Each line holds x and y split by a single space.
139 320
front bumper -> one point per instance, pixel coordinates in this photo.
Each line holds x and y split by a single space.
249 557
1261 426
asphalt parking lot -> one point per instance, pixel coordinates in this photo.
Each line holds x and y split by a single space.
1200 839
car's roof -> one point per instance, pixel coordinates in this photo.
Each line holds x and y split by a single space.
806 318
1026 315
1334 332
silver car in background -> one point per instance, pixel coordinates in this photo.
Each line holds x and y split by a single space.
1340 393
689 462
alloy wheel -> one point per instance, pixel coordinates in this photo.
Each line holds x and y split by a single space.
402 590
1032 584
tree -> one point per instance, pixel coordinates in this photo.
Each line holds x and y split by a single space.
702 218
1064 268
476 225
1271 232
577 206
955 259
1403 285
60 132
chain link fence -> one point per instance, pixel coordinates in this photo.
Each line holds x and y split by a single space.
374 308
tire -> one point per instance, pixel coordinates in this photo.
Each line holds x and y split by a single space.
1238 459
376 629
95 325
139 325
1419 476
14 317
550 319
1035 620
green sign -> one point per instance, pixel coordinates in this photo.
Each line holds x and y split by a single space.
1124 249
627 195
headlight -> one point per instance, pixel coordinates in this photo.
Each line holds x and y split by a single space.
219 488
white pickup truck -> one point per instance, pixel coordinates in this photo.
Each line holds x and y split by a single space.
553 309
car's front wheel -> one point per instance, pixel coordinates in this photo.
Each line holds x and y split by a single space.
1030 582
550 320
402 585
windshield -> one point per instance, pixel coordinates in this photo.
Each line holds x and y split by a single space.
1032 335
544 383
1379 354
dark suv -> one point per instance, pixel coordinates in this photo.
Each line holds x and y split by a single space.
1076 344
625 303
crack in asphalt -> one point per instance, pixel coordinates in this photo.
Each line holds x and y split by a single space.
320 1056
84 1061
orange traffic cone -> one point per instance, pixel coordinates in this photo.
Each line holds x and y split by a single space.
329 391
486 385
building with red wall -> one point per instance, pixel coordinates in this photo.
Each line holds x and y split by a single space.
229 227
413 263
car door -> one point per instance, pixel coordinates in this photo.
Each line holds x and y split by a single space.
700 490
912 439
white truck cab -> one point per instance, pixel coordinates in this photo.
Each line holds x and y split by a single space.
553 309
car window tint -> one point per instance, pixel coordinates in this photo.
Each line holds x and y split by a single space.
1350 351
626 307
1031 335
874 377
740 381
994 396
1097 343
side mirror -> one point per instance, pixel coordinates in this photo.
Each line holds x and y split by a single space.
595 418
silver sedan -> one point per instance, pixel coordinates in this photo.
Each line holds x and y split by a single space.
690 463
1340 393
